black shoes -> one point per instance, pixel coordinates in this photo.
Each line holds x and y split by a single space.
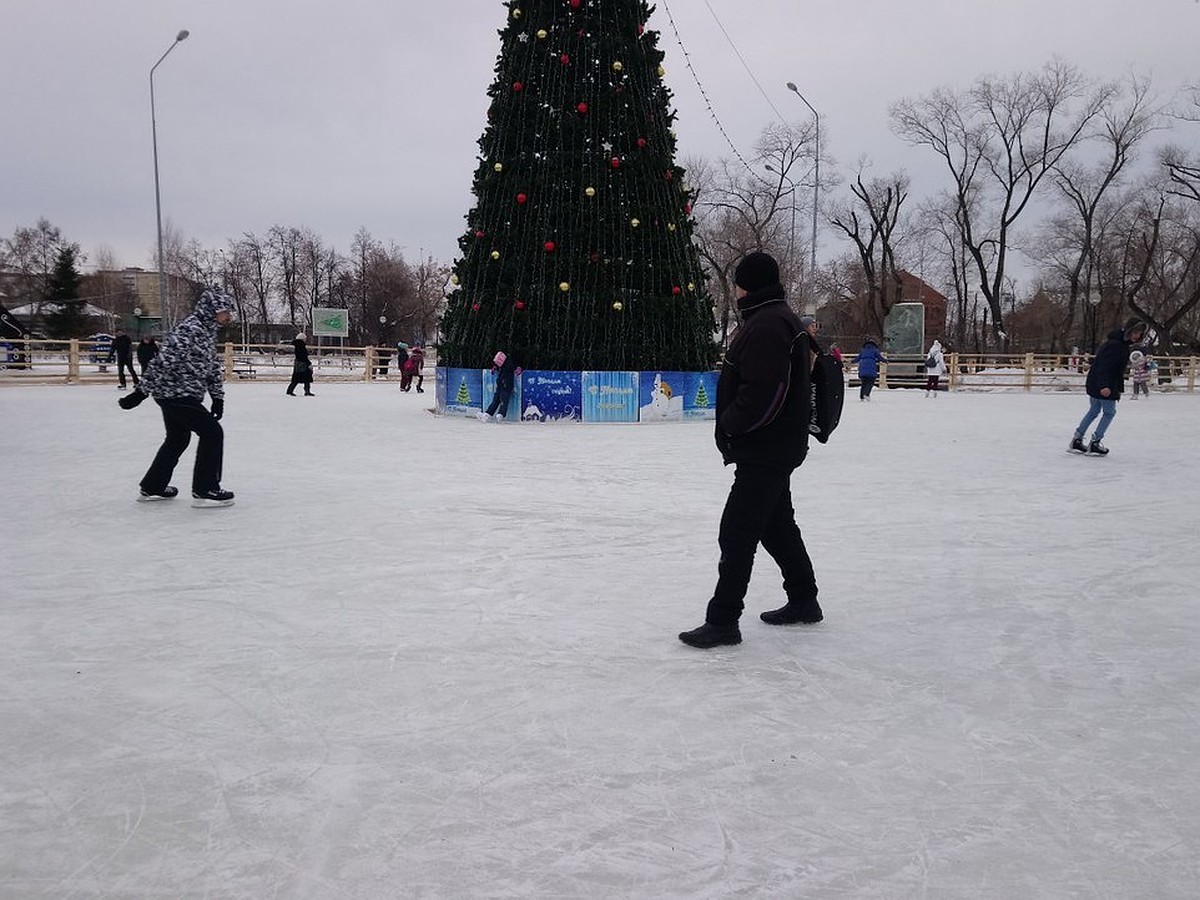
1077 444
708 636
1097 448
794 614
212 499
168 493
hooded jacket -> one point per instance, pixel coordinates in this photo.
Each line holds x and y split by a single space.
1108 368
764 395
868 359
939 358
187 366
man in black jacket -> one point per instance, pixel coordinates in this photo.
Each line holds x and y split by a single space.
122 352
763 412
1105 381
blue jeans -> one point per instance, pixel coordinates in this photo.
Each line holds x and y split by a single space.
1105 409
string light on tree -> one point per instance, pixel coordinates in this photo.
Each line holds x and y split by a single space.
582 159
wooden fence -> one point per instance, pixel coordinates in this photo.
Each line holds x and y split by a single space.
85 362
82 362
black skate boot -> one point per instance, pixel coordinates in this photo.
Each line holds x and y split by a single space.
212 499
708 636
1097 448
170 492
1077 444
794 614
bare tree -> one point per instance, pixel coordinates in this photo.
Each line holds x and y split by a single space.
870 221
31 254
1122 123
999 140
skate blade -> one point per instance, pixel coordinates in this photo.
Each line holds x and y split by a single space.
152 498
210 504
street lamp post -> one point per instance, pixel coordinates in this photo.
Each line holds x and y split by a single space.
791 86
137 315
162 285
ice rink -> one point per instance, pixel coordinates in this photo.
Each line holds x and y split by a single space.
431 658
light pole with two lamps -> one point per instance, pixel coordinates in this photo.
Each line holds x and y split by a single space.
162 285
812 276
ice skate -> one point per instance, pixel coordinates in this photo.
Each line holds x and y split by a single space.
1095 448
168 493
212 499
708 636
794 614
1077 445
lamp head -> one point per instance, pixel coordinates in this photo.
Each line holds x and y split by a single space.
182 36
791 86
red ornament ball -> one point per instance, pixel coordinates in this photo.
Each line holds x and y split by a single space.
641 142
550 246
518 87
677 290
520 304
575 4
565 59
474 307
581 108
615 162
478 234
521 198
669 175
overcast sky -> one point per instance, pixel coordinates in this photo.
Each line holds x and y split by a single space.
365 113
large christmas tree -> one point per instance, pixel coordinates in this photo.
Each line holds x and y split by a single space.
578 253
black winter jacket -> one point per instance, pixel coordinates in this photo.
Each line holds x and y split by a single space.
764 395
1108 368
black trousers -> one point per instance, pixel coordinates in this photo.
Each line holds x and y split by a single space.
500 401
182 417
759 511
123 363
866 382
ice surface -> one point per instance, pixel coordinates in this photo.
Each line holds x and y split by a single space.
435 658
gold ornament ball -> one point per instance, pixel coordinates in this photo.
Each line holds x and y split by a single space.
499 167
670 226
495 254
691 285
516 13
541 34
564 287
618 66
618 305
590 191
635 222
661 71
454 279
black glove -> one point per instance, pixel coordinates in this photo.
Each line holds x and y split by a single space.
129 401
218 407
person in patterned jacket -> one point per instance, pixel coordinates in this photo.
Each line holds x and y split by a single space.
186 368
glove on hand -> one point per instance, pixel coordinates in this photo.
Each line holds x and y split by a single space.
218 408
129 401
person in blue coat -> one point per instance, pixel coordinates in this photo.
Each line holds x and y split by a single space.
868 360
1105 382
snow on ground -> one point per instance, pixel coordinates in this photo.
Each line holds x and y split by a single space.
434 658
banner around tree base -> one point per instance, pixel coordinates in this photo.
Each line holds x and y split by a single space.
583 396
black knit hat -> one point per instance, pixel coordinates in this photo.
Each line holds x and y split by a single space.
756 271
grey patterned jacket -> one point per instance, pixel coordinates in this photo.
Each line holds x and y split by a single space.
188 365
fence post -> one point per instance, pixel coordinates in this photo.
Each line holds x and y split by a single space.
73 360
883 367
953 370
1191 374
1028 371
228 361
369 372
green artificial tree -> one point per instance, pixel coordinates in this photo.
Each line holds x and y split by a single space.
578 253
701 397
